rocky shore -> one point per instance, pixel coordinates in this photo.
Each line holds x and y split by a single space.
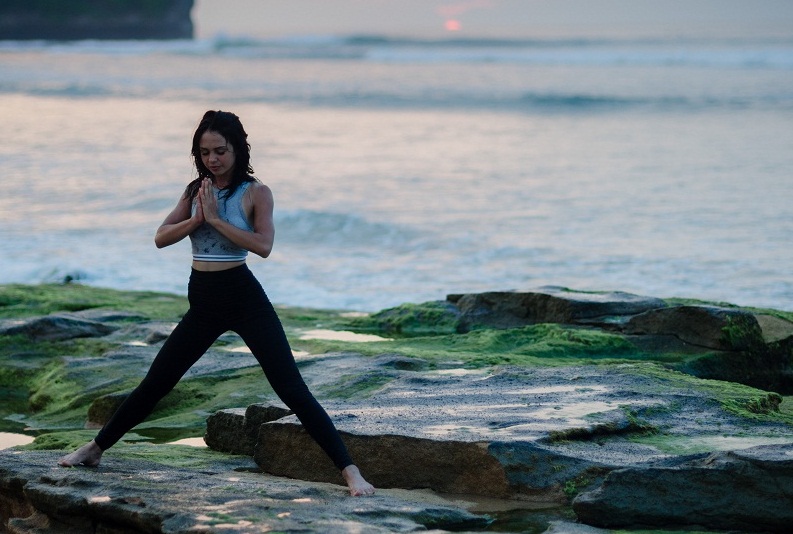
549 410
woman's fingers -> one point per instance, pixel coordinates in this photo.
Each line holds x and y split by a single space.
207 201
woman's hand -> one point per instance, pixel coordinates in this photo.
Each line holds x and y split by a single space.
258 202
207 208
179 223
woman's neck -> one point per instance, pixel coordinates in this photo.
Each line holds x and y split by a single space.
222 183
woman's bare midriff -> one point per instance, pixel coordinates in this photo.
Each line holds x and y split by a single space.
213 266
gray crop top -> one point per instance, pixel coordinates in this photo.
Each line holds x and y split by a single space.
211 245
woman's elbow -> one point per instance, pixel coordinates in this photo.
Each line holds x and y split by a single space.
263 248
161 240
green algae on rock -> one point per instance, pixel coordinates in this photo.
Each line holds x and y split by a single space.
20 301
66 378
63 378
428 318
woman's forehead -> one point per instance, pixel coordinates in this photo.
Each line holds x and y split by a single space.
211 139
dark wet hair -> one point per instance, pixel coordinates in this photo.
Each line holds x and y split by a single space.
230 127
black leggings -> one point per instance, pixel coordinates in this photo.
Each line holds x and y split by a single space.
221 301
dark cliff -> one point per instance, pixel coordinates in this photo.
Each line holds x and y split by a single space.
95 19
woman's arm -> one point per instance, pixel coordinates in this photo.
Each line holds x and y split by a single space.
260 241
179 223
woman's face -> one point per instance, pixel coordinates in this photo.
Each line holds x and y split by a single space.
217 155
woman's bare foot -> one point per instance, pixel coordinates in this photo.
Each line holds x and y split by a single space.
355 481
89 455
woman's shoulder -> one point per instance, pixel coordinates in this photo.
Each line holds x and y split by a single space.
260 191
257 185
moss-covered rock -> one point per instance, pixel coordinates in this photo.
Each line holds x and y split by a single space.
19 301
588 393
428 318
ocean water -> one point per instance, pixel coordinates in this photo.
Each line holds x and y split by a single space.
404 170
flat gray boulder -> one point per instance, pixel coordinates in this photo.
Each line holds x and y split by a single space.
539 434
704 326
748 490
717 342
236 430
550 304
57 327
215 493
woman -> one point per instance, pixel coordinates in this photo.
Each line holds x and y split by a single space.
226 212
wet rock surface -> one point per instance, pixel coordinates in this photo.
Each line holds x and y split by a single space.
550 304
532 436
515 433
225 494
749 489
57 327
727 343
640 444
236 430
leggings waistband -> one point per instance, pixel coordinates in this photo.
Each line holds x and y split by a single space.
220 276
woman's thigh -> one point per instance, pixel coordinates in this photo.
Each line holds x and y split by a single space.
191 338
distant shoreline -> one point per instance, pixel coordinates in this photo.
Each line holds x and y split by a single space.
80 19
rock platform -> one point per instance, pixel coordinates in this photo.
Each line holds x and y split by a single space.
219 494
538 435
682 430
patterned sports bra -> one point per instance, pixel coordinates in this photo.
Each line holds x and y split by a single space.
209 244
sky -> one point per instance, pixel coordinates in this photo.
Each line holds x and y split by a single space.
494 18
